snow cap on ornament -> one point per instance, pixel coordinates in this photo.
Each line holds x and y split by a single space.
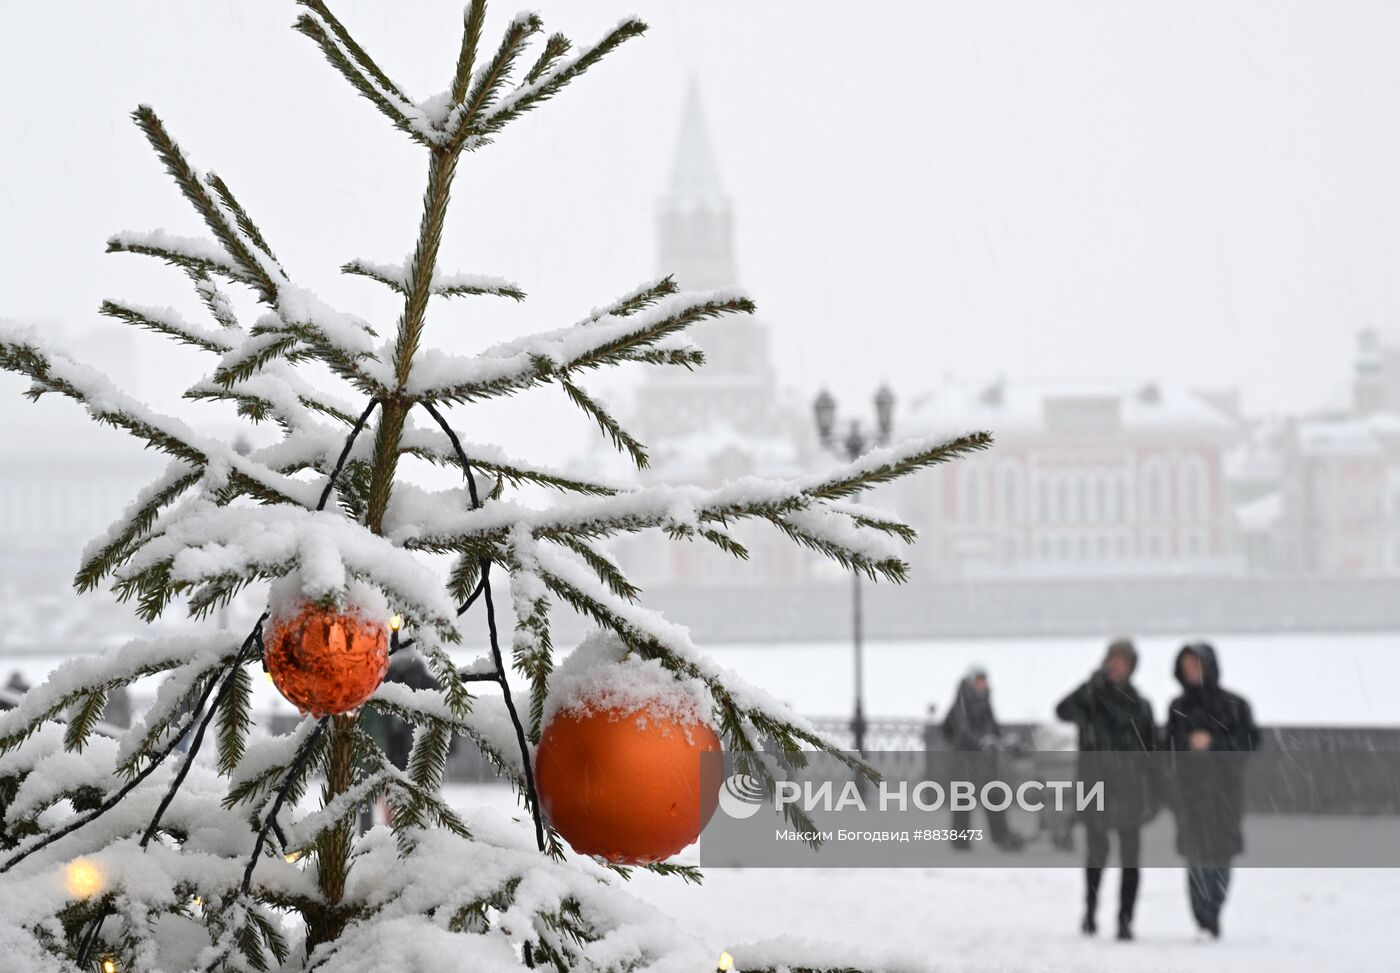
327 650
603 676
618 766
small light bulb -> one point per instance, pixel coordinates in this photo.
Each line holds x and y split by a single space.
292 857
83 878
109 965
197 901
726 962
396 622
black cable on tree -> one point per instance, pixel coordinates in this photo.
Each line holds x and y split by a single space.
500 675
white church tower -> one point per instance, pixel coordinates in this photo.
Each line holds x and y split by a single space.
726 419
695 243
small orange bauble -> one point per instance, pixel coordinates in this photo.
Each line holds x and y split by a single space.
325 661
624 785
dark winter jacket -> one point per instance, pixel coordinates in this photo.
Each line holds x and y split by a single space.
970 723
1208 788
1115 731
971 728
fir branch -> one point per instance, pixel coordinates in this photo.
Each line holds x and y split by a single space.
235 719
687 358
849 557
547 85
176 256
892 462
404 115
474 19
84 719
393 277
487 83
357 53
622 440
514 472
167 322
465 576
604 566
556 355
215 300
108 405
250 269
554 48
108 552
467 287
243 221
253 355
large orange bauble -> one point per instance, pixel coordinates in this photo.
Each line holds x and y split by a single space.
323 660
624 785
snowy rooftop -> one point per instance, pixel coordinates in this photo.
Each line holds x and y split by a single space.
1364 436
1053 408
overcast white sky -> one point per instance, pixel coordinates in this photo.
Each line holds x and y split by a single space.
1203 192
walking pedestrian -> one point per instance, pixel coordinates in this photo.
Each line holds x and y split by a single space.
1115 731
1212 729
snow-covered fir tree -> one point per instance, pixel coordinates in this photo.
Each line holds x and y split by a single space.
189 842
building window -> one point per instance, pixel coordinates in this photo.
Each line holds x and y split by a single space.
1154 490
1193 489
971 494
1010 493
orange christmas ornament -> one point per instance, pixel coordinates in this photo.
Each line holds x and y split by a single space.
618 764
324 658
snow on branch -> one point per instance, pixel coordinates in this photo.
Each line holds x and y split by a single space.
355 66
167 321
891 462
213 545
395 277
484 85
52 371
215 204
191 253
88 674
277 392
545 84
104 552
536 359
638 298
428 443
453 904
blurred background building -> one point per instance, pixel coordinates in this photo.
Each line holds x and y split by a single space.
1153 503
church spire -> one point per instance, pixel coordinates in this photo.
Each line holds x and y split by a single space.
694 229
694 173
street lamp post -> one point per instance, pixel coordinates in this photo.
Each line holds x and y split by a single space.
854 446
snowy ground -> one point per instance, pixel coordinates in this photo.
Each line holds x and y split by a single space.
1026 920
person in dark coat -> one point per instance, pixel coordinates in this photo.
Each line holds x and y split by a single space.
1115 728
1208 790
971 728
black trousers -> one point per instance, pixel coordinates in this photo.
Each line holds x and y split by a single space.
1129 850
997 828
1208 886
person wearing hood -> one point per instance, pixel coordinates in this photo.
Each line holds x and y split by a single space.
972 729
1209 791
1115 727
